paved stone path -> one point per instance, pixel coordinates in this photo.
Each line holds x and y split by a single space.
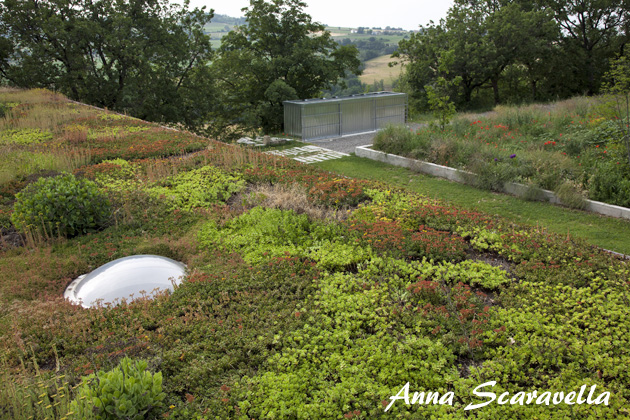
308 154
333 148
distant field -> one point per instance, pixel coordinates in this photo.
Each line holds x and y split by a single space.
377 69
217 30
340 32
338 35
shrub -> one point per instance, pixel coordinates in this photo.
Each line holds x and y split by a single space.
610 184
128 391
492 174
570 195
63 205
534 193
397 139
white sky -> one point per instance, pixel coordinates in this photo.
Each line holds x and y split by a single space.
408 14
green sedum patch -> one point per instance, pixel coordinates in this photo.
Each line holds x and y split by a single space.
25 136
262 234
62 205
201 187
128 391
349 357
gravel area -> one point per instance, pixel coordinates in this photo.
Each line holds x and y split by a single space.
346 144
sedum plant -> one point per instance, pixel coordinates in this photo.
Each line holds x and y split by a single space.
200 187
128 391
62 205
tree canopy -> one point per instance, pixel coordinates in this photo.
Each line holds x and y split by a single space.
280 54
507 47
145 57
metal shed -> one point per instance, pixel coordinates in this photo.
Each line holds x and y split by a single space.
335 117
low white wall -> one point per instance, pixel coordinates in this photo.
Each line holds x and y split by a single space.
467 177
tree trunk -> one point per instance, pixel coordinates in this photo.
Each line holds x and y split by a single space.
467 94
534 92
495 89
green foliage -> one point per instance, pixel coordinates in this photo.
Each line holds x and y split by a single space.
62 205
513 52
492 175
338 255
618 89
201 187
128 391
257 71
438 93
473 273
18 164
399 140
570 195
24 136
116 174
347 357
262 234
158 73
611 184
45 395
259 234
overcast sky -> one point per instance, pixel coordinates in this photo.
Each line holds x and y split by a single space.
408 14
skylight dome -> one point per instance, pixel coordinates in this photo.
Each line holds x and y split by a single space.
125 278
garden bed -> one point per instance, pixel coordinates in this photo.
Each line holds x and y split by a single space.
308 295
466 177
574 148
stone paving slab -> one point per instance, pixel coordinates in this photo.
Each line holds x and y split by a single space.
308 154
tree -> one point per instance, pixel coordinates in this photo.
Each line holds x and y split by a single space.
485 37
280 54
617 88
594 30
465 34
145 57
438 93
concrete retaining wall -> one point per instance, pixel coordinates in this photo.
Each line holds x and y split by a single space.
466 177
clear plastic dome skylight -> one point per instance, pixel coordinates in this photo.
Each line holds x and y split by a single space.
125 278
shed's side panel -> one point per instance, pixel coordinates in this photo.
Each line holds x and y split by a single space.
357 115
390 110
320 120
292 119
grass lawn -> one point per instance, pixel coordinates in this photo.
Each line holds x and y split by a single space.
606 232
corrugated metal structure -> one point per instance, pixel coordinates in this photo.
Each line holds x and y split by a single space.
335 117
